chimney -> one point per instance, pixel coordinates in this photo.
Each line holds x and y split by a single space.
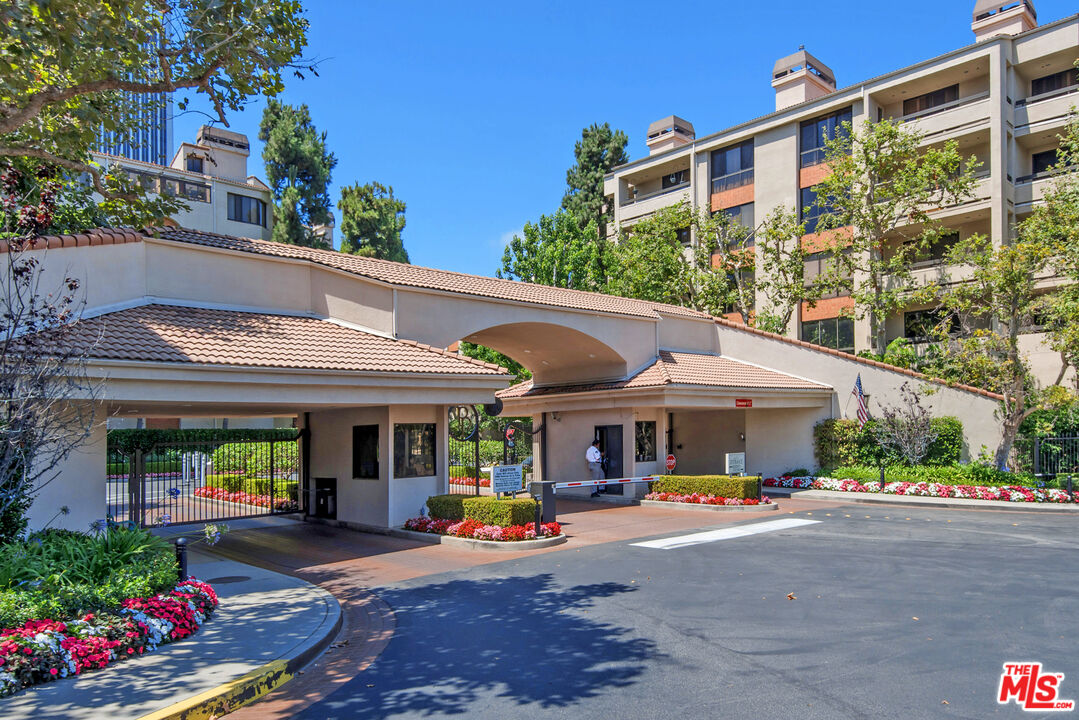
993 18
799 78
669 133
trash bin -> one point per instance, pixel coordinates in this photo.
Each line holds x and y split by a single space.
325 498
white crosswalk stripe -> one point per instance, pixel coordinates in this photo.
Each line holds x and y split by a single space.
724 534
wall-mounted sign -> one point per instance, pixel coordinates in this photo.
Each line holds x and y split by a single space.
743 403
507 478
671 462
736 463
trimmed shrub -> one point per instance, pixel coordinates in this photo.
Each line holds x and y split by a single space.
254 458
468 471
146 439
446 507
718 485
278 487
972 474
493 511
841 443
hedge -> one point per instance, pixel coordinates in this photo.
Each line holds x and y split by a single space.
127 440
839 443
493 511
484 509
468 471
718 485
972 474
446 507
254 458
282 488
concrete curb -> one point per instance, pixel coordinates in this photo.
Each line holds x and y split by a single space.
472 544
915 501
244 690
711 508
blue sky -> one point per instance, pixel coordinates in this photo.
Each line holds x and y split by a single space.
470 110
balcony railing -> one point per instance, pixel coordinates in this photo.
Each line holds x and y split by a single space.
1023 179
644 196
733 180
945 107
1047 95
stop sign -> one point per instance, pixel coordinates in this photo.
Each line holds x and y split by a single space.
671 462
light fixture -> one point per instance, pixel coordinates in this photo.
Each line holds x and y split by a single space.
742 436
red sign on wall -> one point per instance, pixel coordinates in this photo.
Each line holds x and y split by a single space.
743 403
671 462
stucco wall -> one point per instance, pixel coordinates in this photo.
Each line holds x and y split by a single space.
702 439
80 487
570 435
409 495
361 501
781 440
121 266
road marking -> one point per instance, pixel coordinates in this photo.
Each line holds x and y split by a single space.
725 533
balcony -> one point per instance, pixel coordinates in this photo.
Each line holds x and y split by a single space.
648 203
1030 189
1051 107
962 114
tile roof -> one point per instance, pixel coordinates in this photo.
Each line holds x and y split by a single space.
421 277
97 236
682 368
169 333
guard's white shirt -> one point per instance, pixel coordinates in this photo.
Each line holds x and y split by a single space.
592 454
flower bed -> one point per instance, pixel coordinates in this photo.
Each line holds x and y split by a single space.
484 482
478 531
698 499
239 496
45 650
1004 493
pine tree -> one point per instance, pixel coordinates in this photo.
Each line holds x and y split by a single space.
371 222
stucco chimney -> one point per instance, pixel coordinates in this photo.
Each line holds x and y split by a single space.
801 77
1002 17
668 133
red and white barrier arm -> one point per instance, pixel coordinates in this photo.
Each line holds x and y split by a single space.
611 481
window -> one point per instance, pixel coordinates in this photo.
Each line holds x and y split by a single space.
365 452
923 325
937 249
194 163
732 167
683 236
646 441
836 333
187 190
811 213
414 450
679 177
817 264
247 210
1056 81
1041 162
814 132
742 215
931 100
747 277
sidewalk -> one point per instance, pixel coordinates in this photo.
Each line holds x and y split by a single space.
264 617
916 501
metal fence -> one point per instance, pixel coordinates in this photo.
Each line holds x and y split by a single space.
465 474
204 481
1055 456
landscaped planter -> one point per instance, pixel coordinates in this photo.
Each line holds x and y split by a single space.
1007 493
472 534
470 481
46 650
708 503
243 498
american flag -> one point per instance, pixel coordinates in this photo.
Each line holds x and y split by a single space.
863 412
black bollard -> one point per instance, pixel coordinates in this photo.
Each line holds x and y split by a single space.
181 558
1070 485
539 518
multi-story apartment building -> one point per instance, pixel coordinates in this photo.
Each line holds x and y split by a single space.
1002 99
151 114
211 175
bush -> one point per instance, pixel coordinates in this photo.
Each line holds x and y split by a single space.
956 474
60 575
841 443
718 485
493 511
446 507
468 471
278 487
127 441
254 458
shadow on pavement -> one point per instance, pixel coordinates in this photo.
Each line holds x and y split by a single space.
521 639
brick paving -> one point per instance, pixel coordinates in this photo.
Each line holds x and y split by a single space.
348 564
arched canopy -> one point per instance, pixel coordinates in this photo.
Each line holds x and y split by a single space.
554 354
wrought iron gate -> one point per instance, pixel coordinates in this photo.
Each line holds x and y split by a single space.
175 483
465 473
1056 456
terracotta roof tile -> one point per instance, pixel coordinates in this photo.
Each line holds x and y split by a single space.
168 333
681 368
421 277
97 236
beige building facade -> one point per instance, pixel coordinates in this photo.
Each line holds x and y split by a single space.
180 323
1002 99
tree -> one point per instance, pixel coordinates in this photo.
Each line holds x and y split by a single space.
907 428
556 251
598 150
486 354
371 222
74 68
298 168
649 263
877 199
46 399
722 272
